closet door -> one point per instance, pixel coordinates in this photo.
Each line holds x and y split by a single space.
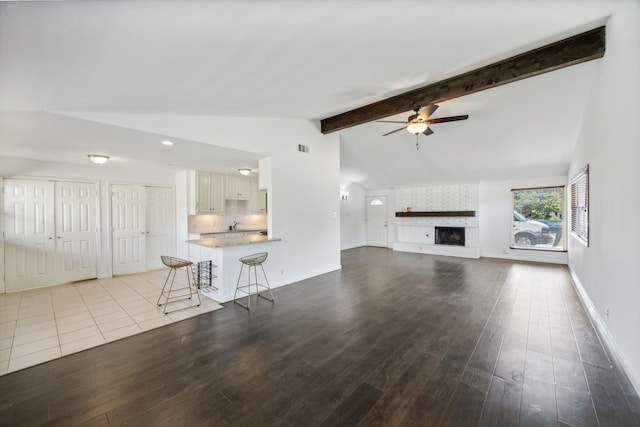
128 229
29 234
161 220
75 231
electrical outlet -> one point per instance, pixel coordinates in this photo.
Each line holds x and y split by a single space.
606 312
281 271
505 250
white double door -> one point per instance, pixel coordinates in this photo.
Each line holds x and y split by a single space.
50 232
143 227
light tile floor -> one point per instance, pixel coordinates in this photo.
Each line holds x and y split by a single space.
47 323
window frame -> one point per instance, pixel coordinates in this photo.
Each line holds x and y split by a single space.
563 227
579 205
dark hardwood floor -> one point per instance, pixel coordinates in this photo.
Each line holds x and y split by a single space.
391 339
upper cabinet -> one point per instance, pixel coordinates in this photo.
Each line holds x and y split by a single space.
209 193
258 200
237 187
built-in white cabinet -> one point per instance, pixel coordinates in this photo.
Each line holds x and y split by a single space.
417 234
258 198
262 202
237 187
210 192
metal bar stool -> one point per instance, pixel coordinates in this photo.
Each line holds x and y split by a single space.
253 260
170 294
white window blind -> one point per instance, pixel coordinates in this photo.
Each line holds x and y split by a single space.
580 205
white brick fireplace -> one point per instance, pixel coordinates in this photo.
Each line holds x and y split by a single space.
419 210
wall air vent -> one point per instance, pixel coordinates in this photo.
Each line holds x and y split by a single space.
303 148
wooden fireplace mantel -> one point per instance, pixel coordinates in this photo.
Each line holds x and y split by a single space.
435 213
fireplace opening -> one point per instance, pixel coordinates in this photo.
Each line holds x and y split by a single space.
450 236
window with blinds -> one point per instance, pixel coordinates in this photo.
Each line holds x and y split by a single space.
580 205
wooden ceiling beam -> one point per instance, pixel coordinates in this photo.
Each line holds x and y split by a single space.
570 51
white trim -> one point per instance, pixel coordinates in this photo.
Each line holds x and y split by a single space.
601 328
3 286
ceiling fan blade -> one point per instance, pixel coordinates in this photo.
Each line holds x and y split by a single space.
389 121
428 132
393 131
427 111
448 119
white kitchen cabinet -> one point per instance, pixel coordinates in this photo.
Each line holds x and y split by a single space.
237 187
258 200
209 193
263 201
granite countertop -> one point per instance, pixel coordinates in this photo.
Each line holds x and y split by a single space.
221 242
237 230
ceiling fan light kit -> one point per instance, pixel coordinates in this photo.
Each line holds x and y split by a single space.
417 126
419 122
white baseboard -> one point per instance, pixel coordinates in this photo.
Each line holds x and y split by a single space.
602 330
306 276
222 298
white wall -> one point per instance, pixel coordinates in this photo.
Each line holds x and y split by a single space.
304 194
352 212
608 270
2 284
496 220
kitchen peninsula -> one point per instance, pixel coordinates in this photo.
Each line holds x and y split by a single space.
225 252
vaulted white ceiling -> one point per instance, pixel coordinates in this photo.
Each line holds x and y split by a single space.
287 59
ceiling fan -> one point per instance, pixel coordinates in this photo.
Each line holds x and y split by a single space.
419 122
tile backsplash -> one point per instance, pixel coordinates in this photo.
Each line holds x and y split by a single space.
199 224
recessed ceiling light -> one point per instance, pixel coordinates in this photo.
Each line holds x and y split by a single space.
167 143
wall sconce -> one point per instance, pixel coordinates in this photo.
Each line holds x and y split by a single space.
244 172
344 195
98 159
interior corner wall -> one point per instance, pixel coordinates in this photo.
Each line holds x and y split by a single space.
607 270
495 219
304 193
352 213
495 214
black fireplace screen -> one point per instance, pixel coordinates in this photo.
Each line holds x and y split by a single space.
450 236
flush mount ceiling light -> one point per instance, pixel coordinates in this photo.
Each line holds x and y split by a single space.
167 143
244 171
98 159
